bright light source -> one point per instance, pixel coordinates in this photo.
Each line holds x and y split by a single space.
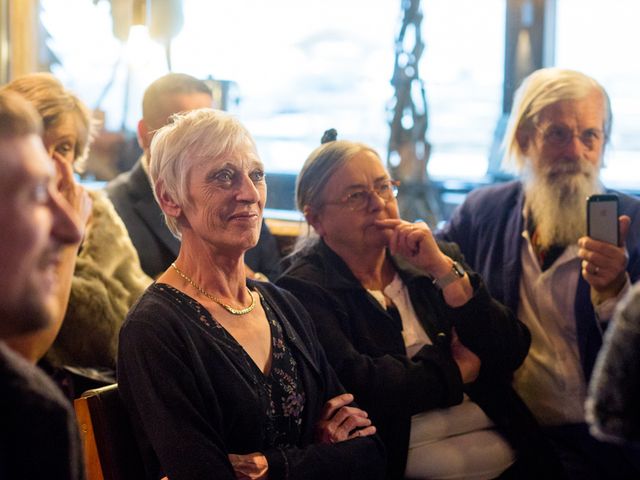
139 45
140 9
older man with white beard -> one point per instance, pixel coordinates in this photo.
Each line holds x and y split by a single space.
527 238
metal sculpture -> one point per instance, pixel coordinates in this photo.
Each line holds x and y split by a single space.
408 150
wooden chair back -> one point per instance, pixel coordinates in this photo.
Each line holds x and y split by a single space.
109 445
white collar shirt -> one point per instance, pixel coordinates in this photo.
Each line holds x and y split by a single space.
551 380
413 333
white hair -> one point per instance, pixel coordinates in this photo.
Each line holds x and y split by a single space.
542 88
194 135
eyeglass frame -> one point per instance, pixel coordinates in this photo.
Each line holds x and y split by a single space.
344 201
561 143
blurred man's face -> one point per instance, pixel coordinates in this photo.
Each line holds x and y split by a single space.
176 103
35 224
569 138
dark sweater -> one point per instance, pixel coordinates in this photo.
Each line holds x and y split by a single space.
38 433
193 401
366 348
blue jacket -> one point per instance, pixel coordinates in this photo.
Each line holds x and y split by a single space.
488 228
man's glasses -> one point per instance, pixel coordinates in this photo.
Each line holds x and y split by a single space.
386 190
559 136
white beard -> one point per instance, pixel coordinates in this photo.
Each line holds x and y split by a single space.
556 196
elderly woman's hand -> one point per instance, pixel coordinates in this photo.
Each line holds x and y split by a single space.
415 242
468 362
251 466
72 191
339 422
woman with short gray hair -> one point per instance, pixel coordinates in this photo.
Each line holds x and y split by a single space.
223 376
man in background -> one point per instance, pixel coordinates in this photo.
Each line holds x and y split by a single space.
38 433
132 194
527 240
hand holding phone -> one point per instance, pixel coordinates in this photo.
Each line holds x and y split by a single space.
602 218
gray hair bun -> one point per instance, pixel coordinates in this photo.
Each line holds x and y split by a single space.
329 136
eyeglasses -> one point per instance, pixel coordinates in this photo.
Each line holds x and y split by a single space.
559 136
386 190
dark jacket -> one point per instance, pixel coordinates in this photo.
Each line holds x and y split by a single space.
131 194
192 402
367 351
488 228
38 432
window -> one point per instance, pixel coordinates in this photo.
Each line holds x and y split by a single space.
602 42
463 68
301 67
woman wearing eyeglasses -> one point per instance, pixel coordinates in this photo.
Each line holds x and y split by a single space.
408 328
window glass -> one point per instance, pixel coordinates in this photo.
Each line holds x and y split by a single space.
463 68
602 41
300 68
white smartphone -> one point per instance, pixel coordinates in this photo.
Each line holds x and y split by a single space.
602 218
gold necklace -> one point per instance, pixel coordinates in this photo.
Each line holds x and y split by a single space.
228 308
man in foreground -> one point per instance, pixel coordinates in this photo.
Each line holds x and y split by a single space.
38 433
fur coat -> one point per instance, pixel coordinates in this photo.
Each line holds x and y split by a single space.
107 280
613 406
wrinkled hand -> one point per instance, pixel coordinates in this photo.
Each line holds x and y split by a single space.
251 466
75 195
339 422
415 242
468 362
603 264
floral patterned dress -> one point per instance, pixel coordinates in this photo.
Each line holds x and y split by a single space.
281 386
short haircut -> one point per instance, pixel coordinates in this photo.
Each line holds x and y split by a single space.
190 137
52 101
542 88
18 118
320 166
153 108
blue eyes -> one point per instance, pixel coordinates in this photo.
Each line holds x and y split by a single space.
227 178
257 176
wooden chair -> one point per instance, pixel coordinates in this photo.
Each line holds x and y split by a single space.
110 449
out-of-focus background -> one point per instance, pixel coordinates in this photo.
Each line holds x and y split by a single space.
292 68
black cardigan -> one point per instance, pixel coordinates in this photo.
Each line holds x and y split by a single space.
367 351
191 404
